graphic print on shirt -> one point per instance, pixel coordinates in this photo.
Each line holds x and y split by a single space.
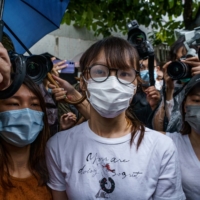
104 170
107 184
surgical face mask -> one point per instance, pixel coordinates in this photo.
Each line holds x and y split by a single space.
158 84
145 75
110 98
193 117
20 127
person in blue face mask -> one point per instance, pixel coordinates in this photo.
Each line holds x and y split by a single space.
187 140
23 135
148 98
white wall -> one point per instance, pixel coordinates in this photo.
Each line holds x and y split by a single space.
67 42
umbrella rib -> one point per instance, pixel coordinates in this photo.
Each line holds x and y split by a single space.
40 13
17 38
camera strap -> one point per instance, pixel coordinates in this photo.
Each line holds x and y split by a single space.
151 69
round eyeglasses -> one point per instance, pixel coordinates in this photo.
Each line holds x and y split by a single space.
100 73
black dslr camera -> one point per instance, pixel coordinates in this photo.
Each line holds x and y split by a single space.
35 67
179 70
139 40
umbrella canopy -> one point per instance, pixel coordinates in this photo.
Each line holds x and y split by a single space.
27 21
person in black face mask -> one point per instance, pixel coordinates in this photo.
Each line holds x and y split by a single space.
188 140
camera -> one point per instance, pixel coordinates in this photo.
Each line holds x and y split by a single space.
139 40
36 67
179 70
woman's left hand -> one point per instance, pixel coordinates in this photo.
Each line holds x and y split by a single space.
194 63
67 120
58 66
153 96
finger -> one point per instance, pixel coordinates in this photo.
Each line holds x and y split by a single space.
151 88
64 115
194 58
55 72
1 78
58 90
152 93
51 86
193 63
73 117
155 97
59 93
61 62
59 80
61 67
195 73
60 98
195 69
166 65
53 58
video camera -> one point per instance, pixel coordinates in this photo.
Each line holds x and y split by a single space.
138 39
36 67
179 70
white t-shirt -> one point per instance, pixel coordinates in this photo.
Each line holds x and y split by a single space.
88 166
190 165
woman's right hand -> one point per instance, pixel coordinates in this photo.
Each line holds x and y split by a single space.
67 120
65 90
5 68
169 83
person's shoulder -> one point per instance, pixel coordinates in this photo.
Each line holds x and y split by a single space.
157 138
150 133
61 137
175 136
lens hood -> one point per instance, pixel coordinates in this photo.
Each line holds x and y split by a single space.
178 70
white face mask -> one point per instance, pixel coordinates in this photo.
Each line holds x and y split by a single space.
158 84
110 98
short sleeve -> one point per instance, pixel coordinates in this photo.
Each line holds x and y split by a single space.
56 177
169 186
175 136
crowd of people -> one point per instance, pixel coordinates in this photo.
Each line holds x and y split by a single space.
124 141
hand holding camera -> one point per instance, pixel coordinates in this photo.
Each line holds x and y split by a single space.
183 69
194 63
5 68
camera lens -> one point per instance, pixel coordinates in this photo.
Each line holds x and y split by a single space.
37 67
137 38
178 70
32 69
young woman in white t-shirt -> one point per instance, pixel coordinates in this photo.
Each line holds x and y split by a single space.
188 140
112 155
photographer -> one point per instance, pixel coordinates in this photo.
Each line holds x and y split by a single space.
147 98
173 92
187 140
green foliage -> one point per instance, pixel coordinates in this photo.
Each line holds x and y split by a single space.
106 16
